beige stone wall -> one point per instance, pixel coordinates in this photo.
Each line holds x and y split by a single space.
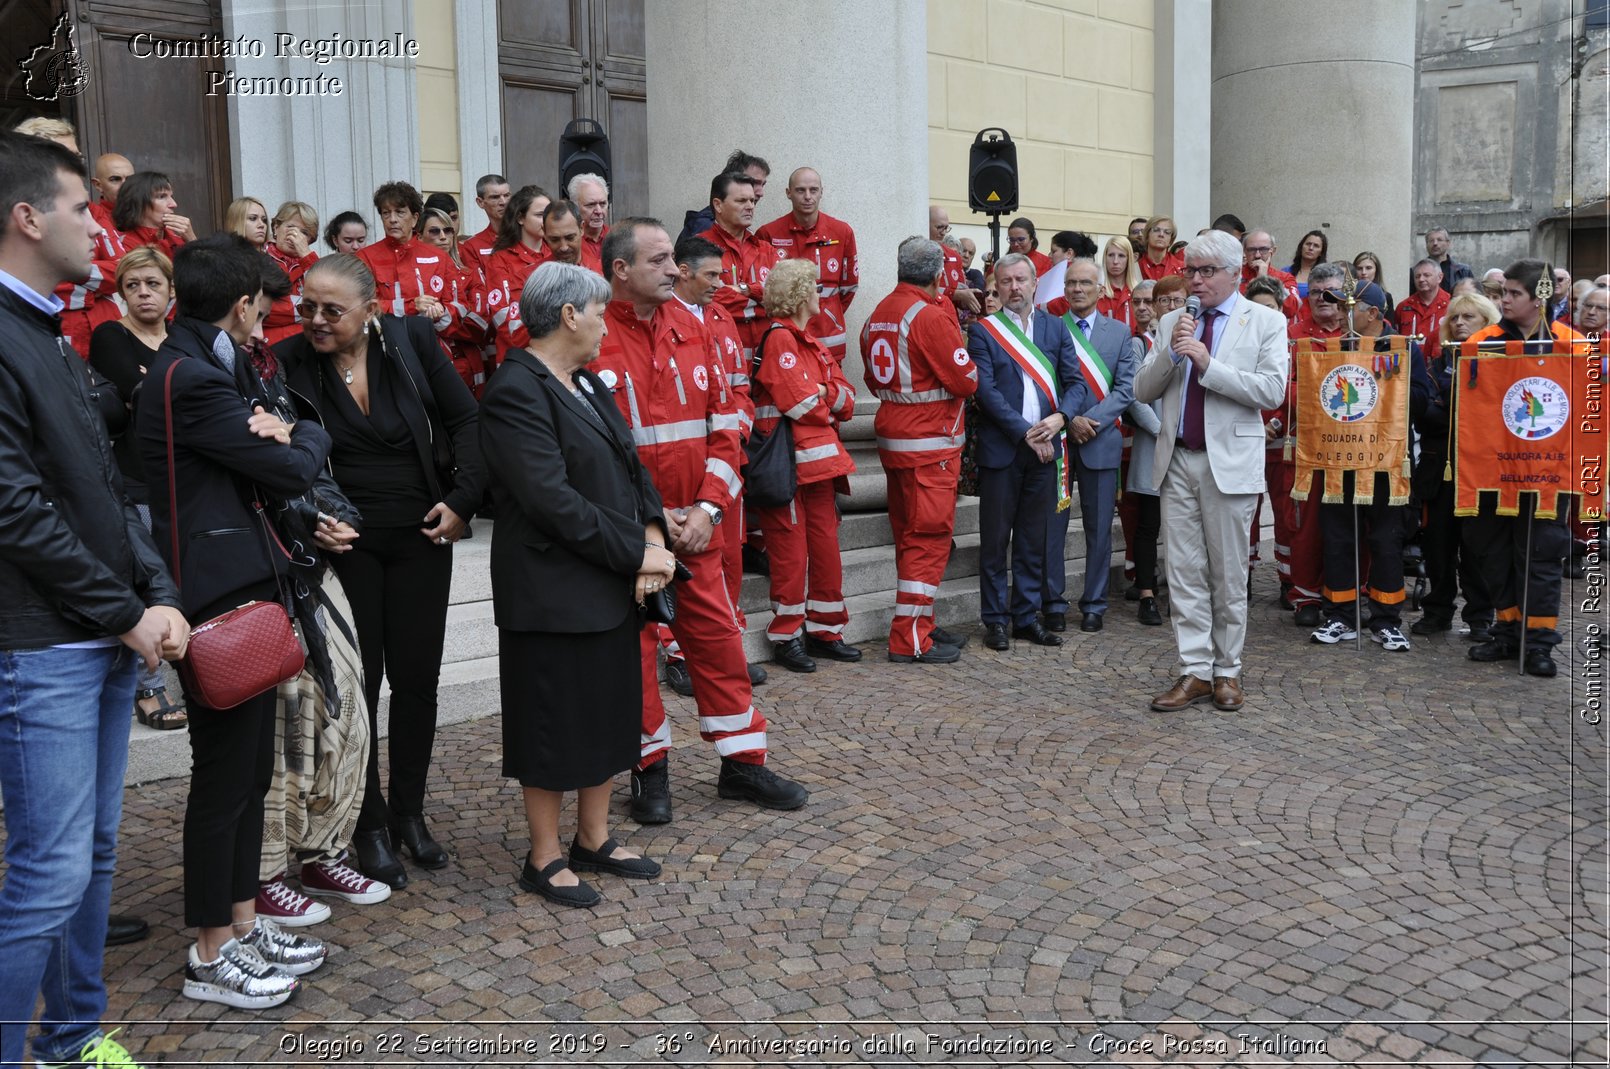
1071 81
437 75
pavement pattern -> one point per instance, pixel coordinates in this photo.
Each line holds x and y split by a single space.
1384 859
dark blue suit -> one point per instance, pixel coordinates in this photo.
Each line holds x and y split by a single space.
1017 493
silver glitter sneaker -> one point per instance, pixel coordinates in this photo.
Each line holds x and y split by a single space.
240 978
296 954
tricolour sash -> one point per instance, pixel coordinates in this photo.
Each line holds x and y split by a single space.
1042 373
1097 373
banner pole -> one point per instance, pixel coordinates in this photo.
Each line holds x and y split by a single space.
1358 580
1526 582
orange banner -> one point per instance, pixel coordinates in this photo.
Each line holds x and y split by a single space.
1529 423
1352 415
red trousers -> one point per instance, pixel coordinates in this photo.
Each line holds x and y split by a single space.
1299 548
802 540
713 645
922 513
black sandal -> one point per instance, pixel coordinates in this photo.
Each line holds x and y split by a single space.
166 717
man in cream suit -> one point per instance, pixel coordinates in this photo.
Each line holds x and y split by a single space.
1215 373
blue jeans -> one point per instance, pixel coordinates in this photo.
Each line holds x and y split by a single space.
64 746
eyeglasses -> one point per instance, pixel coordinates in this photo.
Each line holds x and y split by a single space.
332 313
1203 273
1080 284
1140 300
1017 241
1260 250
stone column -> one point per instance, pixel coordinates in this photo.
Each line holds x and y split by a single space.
480 103
1182 114
333 150
840 86
1279 160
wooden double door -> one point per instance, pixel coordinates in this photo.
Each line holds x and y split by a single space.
560 60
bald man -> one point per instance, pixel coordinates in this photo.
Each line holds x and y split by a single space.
110 171
808 233
953 281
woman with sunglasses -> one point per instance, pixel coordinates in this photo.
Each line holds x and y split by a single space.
467 338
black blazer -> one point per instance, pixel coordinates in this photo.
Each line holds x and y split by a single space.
572 501
219 466
442 424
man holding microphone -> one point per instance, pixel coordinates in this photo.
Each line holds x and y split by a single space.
1223 360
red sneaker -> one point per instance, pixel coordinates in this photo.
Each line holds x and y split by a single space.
337 879
283 905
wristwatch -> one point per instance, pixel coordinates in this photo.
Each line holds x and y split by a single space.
711 511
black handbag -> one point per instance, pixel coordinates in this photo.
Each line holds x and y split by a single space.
770 478
660 606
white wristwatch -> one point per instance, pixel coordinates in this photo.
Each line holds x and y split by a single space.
710 510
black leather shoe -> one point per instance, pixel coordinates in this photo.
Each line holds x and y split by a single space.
676 677
1056 621
995 637
121 929
376 859
1148 614
651 793
1090 622
791 655
1480 633
1540 663
833 649
1493 649
410 835
583 894
1309 616
1430 625
938 653
1036 634
759 784
633 868
757 676
948 638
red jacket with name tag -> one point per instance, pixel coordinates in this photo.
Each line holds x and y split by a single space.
917 365
745 262
408 269
831 244
670 386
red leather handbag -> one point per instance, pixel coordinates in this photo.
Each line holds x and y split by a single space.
248 650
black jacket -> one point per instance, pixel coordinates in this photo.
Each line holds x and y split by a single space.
443 423
220 469
76 563
572 501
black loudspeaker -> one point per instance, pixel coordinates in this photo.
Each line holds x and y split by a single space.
583 149
992 173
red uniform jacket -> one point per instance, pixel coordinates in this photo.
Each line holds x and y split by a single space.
789 369
730 349
917 365
406 270
1171 265
167 243
284 319
506 272
1414 316
1293 308
1041 262
668 383
831 243
88 304
745 261
1115 307
478 249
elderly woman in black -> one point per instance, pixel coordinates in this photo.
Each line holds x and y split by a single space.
579 543
405 451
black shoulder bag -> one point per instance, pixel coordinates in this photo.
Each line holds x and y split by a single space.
770 479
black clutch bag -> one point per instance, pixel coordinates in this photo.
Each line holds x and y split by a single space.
660 606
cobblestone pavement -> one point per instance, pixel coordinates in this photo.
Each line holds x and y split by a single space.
1384 859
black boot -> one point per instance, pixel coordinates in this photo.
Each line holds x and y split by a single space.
651 793
410 834
759 784
376 859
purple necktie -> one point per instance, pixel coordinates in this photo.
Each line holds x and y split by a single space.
1191 434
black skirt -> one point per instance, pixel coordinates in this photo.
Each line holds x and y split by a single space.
572 705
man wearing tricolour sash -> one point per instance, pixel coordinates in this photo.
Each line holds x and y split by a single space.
1029 390
1108 355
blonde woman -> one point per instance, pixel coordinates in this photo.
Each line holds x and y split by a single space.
1119 276
1158 258
1467 313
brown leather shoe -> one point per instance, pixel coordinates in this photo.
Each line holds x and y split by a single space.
1188 690
1227 693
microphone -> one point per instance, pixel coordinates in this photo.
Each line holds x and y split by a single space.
1193 306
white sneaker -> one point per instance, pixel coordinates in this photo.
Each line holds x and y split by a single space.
240 978
337 879
296 954
1333 632
285 906
1390 638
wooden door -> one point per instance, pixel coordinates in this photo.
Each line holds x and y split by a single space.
620 100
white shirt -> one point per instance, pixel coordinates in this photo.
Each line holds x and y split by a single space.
696 309
1033 408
